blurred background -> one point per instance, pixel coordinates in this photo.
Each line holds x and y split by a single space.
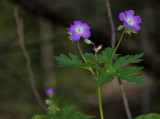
45 35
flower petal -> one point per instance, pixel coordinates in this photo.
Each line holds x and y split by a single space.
86 34
85 26
127 25
78 22
136 27
122 16
129 13
137 19
72 28
75 36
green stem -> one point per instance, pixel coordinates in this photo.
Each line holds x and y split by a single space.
99 90
100 103
84 57
118 43
81 52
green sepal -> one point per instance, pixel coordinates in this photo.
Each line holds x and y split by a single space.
130 31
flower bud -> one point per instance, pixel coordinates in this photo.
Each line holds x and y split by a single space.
87 41
120 27
98 48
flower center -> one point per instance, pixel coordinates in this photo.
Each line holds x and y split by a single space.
130 21
79 30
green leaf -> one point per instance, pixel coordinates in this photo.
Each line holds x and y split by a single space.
149 116
69 113
102 78
65 61
41 117
128 74
89 56
106 57
122 61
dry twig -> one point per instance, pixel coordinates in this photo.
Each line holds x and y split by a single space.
19 22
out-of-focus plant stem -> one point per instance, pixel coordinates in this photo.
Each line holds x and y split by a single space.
113 46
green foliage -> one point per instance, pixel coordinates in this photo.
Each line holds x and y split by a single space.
103 63
67 112
122 61
72 60
52 106
149 116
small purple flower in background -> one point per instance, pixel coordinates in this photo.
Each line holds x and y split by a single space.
49 91
129 20
79 29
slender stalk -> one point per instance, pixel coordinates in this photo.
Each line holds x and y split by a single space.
99 93
100 103
99 90
113 46
125 101
118 43
81 52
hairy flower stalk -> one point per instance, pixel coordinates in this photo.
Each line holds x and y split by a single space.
77 31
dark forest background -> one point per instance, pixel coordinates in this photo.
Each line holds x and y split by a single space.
45 35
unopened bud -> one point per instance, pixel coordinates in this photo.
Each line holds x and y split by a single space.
87 41
120 27
98 48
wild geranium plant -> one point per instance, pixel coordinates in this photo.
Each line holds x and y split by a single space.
104 66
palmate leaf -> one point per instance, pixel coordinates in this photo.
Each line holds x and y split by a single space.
149 116
65 61
128 74
106 57
102 78
122 61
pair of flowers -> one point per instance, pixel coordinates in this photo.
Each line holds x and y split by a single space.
80 29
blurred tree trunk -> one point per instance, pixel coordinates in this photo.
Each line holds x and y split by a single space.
47 50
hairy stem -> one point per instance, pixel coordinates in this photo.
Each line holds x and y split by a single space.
81 52
99 90
100 103
118 43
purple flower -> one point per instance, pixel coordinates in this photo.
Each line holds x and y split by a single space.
49 91
129 20
79 29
